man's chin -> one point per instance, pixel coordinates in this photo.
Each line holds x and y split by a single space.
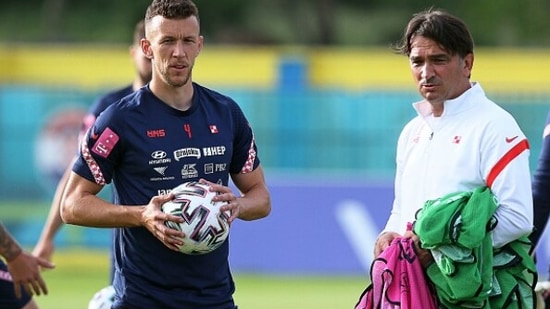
431 96
178 82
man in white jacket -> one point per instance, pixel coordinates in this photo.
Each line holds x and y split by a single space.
460 140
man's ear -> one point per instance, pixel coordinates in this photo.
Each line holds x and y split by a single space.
146 48
468 64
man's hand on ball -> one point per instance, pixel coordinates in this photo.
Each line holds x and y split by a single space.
154 220
225 194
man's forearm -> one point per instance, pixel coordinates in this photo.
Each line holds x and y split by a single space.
9 248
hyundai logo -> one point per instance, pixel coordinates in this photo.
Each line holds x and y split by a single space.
159 154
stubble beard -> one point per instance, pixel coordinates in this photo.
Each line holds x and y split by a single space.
175 81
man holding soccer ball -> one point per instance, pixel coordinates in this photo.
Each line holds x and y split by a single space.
169 132
459 141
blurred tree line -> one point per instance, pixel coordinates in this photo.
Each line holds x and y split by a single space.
280 22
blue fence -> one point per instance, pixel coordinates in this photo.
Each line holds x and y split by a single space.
311 141
302 130
328 155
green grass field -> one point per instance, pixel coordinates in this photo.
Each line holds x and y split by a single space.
80 273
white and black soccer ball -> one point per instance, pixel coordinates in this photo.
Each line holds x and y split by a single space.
103 299
205 226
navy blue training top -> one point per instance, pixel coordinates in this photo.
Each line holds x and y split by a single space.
146 148
95 109
541 187
102 103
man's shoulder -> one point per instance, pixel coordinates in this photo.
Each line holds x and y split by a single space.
110 98
119 93
212 95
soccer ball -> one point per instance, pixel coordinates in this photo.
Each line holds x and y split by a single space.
103 299
205 226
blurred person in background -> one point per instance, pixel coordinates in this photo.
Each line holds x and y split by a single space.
459 142
45 246
181 122
541 200
55 144
20 276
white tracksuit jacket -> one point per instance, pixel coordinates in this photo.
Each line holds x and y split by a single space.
474 143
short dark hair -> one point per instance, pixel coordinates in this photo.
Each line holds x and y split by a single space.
172 9
450 32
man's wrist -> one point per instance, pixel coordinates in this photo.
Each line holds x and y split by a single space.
13 254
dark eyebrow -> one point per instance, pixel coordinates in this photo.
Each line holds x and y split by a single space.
435 56
446 55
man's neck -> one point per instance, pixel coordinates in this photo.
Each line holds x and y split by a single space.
180 98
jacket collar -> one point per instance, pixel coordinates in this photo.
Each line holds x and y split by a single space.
464 102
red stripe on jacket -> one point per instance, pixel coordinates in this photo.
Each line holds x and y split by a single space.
507 158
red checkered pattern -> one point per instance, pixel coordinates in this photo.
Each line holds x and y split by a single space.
92 164
249 164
